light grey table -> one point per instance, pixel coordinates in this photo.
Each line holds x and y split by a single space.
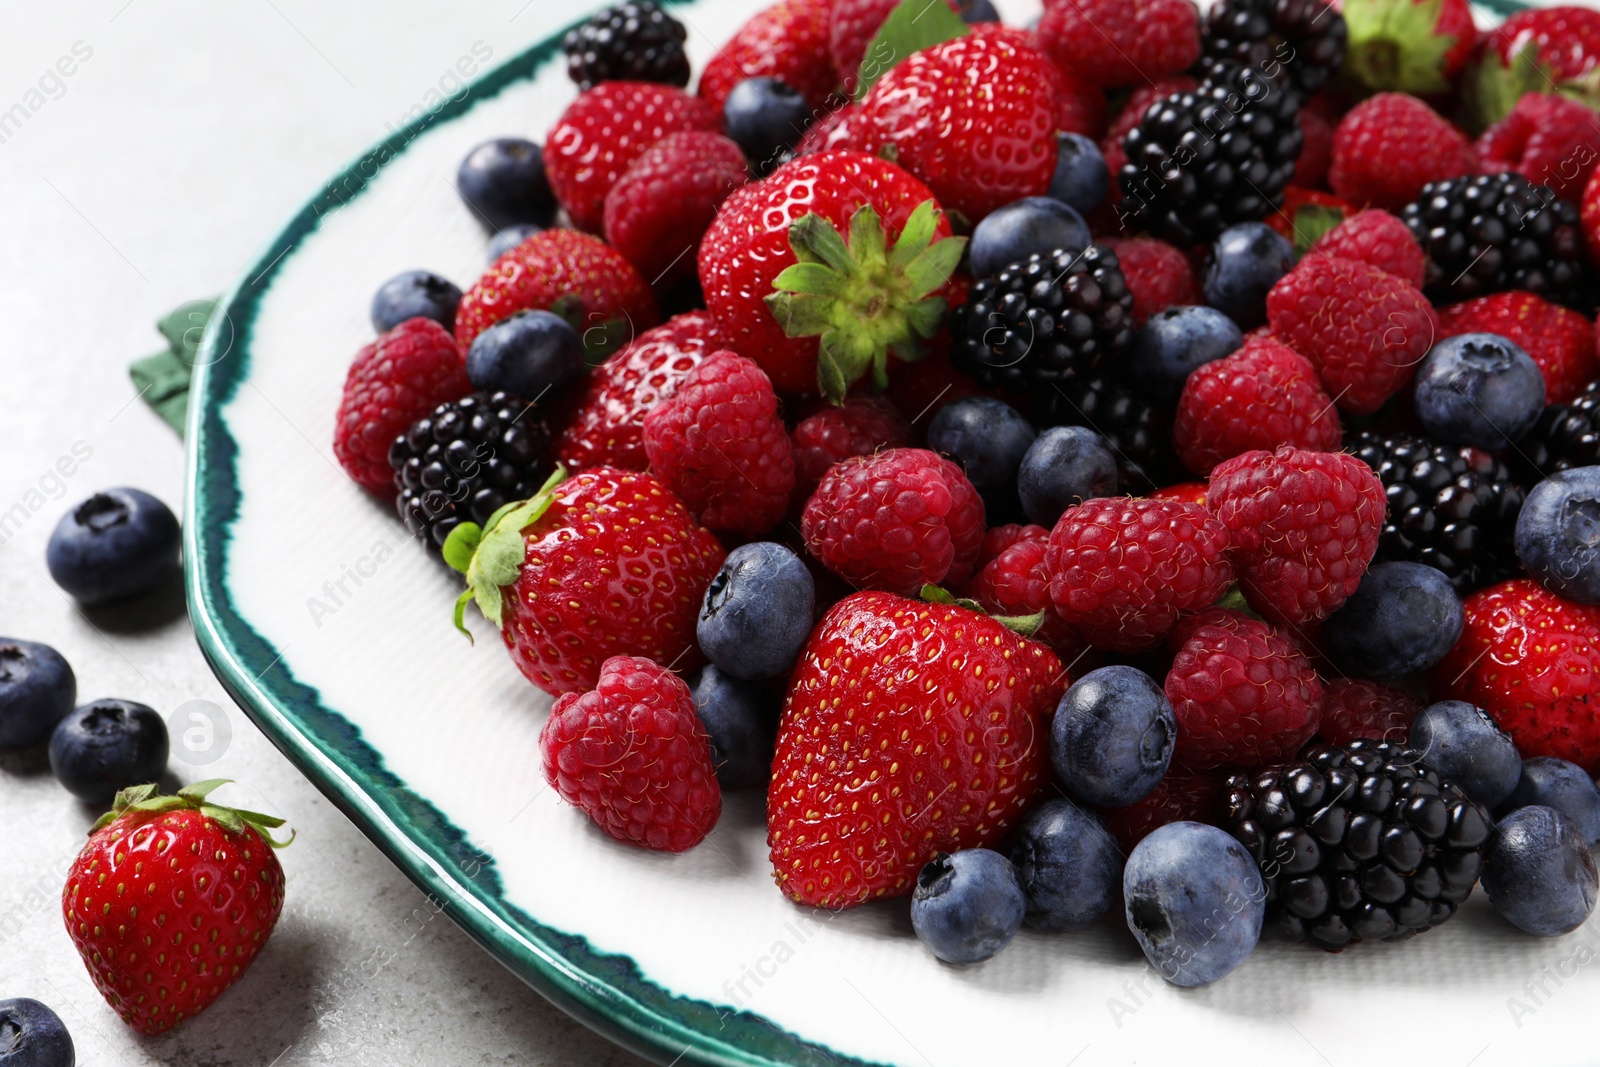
186 133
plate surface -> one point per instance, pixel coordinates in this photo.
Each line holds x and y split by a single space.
333 631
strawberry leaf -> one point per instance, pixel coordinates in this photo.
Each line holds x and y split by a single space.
497 553
1025 625
1494 86
912 26
461 544
143 800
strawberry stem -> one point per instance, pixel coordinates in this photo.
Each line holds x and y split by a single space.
145 799
491 555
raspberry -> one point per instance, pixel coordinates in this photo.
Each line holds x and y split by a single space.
719 444
393 382
1017 582
1243 694
1182 795
1123 570
895 520
1549 139
1112 43
858 427
632 754
1263 395
1316 154
1388 147
1560 340
1374 236
663 204
1158 275
1303 527
1355 707
999 538
1364 329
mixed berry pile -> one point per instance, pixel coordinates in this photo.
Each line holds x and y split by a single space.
1143 456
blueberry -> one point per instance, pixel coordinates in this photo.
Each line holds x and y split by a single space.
1462 743
1557 784
106 746
968 905
118 544
37 690
741 718
1112 737
1082 179
504 183
757 611
1034 224
977 11
415 294
528 354
1539 874
1479 389
1194 901
1173 343
987 437
31 1035
765 118
1403 617
1558 534
1063 466
1246 261
1070 867
505 240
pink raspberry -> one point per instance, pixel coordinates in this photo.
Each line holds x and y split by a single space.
1355 707
665 201
1158 274
1182 795
1374 236
1389 146
1017 582
858 427
1264 395
1112 43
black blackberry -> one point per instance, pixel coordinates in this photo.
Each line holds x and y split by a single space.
1454 508
466 460
1566 436
1358 841
1045 317
1300 44
1136 431
1200 161
632 41
1487 233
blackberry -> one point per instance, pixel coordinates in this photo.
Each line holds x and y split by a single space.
1358 841
1135 430
1043 318
1488 233
1298 43
632 41
466 460
1566 436
1451 507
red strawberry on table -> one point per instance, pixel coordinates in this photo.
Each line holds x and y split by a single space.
171 901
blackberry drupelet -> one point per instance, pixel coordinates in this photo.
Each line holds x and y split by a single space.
1358 841
1488 233
466 460
1298 43
1454 508
1566 436
632 41
1136 431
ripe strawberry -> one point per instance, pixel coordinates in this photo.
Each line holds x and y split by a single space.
171 900
1561 341
1549 139
1302 526
1263 395
909 729
663 204
579 277
1355 707
608 563
1113 43
1183 795
1538 50
1388 147
1409 46
1016 582
1532 661
1307 214
787 41
1364 329
604 130
632 754
1159 275
859 427
852 24
974 118
1080 105
393 382
719 444
1316 153
1374 236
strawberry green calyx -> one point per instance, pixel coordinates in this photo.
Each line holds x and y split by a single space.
1393 46
1311 222
1493 87
864 300
1024 625
144 799
491 555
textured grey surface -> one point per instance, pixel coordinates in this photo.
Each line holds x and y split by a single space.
152 175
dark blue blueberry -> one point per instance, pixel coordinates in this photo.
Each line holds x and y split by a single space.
1245 262
1539 874
118 544
1112 737
1461 742
1404 617
106 746
505 240
1173 343
977 11
765 118
741 718
1479 389
1063 466
504 183
1194 900
757 611
1558 534
37 690
415 294
529 354
967 905
1034 225
31 1035
987 437
1070 867
1082 179
1557 784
